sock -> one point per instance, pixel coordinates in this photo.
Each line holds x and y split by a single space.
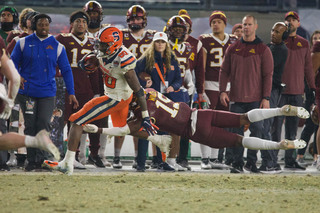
205 151
214 153
83 148
116 131
69 157
259 144
171 161
30 141
261 114
103 145
117 152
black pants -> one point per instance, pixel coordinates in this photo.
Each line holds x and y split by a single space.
37 113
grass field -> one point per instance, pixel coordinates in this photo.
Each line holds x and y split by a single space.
158 192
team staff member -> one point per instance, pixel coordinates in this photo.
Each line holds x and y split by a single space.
36 57
298 67
279 52
162 66
247 58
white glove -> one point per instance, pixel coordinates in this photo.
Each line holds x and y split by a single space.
90 128
9 103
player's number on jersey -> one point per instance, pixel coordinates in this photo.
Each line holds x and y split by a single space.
182 66
161 103
110 81
134 49
75 56
218 55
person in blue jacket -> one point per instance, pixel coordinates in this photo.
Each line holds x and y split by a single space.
36 58
164 75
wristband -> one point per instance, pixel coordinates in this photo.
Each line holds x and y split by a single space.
267 98
145 114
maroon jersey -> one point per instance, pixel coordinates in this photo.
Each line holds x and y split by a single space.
167 115
183 53
202 126
13 34
137 45
2 47
215 49
83 83
14 41
196 62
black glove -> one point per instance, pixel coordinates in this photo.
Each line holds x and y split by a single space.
146 124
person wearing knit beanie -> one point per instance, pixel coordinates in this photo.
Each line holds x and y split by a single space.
237 30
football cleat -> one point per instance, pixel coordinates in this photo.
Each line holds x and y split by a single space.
43 142
300 112
58 166
295 144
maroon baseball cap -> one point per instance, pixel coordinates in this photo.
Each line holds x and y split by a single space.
293 14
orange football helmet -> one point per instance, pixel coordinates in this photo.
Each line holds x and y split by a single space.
108 41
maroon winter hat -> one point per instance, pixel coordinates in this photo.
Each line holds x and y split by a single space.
236 26
293 14
218 14
184 14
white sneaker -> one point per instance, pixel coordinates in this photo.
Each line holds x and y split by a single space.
205 163
300 112
295 144
163 142
44 142
78 165
217 165
173 164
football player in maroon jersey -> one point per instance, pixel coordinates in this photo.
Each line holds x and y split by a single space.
94 9
206 126
176 30
196 65
137 39
78 44
215 45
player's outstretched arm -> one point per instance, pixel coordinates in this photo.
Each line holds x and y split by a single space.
133 82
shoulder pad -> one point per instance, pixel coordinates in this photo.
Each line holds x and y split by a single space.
65 34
